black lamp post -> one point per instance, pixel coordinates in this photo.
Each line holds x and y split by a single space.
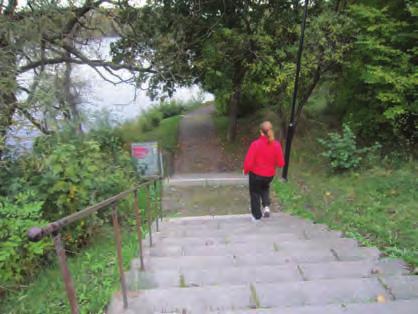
292 124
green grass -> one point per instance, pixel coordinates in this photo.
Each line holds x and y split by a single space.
166 133
94 273
377 207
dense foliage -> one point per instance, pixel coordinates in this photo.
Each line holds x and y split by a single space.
376 91
18 256
64 173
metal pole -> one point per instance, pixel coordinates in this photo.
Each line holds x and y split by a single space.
149 216
68 282
292 124
138 228
161 198
118 241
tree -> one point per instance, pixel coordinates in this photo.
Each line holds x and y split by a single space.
377 91
35 41
214 43
327 42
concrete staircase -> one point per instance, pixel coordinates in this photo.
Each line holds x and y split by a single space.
283 264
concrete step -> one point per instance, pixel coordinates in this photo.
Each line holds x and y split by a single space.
255 247
249 259
226 298
305 232
231 226
242 218
398 307
282 240
402 287
231 239
234 275
227 275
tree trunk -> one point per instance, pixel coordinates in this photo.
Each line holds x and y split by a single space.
237 79
70 101
8 101
283 123
7 111
308 92
233 113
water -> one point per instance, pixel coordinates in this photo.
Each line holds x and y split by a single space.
122 101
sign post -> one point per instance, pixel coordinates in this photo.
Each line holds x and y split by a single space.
147 159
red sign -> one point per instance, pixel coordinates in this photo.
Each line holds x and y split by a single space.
139 152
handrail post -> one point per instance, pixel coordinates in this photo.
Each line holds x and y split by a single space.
161 199
155 205
138 228
149 216
68 282
118 241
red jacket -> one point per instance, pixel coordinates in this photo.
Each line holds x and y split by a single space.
263 157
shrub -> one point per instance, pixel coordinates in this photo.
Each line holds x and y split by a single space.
150 119
18 256
78 174
342 151
69 173
171 108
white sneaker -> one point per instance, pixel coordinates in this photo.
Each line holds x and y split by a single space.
266 212
254 220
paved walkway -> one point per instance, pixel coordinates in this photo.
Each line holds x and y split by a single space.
200 150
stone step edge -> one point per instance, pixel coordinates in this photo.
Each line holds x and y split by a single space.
200 289
275 216
374 270
375 254
406 306
373 262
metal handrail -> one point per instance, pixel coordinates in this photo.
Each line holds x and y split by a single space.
37 233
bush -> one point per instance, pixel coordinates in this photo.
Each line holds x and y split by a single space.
70 172
342 151
18 256
171 108
150 119
78 174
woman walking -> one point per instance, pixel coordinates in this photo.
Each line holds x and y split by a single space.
263 157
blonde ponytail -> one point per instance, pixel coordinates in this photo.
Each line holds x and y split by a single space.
267 129
270 135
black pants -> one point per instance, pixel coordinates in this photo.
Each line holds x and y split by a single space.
259 190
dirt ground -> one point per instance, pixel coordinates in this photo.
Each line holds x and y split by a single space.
200 150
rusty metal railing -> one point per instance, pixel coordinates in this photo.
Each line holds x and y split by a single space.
36 234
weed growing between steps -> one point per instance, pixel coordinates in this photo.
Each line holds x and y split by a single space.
254 297
376 207
95 277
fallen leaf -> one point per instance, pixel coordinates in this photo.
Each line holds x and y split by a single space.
381 298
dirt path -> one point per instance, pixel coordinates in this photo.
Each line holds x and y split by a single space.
200 150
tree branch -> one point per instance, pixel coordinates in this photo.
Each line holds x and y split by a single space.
92 63
35 122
